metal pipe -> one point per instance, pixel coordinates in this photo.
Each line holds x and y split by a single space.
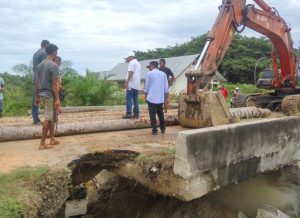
202 54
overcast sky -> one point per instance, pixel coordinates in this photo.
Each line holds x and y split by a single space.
97 34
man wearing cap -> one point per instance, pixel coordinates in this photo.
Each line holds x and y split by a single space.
235 94
156 91
132 85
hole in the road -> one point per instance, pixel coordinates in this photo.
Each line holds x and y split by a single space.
98 192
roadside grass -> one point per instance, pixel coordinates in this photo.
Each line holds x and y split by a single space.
17 194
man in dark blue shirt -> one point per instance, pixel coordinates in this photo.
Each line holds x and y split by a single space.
167 71
37 58
170 77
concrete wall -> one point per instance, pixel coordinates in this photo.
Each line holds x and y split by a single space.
235 152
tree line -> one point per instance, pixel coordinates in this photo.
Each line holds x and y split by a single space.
95 88
238 63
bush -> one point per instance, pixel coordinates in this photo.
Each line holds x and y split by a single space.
90 90
17 94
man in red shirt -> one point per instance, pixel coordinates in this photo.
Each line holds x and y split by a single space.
224 91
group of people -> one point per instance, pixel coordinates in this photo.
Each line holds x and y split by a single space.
46 83
156 90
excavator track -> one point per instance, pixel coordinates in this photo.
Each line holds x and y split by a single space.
269 101
291 105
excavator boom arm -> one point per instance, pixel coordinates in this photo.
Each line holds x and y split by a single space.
233 15
201 108
264 6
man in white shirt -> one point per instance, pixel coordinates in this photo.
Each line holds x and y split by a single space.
156 90
132 85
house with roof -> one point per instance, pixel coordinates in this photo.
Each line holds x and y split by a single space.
179 66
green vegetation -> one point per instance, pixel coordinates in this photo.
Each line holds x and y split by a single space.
18 94
17 193
92 89
244 89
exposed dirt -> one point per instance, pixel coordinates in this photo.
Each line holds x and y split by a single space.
25 153
124 198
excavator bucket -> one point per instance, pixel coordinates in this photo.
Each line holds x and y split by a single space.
208 109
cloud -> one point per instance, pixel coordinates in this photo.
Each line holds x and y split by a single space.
97 34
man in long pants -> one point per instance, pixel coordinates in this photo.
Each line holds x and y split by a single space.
37 58
156 91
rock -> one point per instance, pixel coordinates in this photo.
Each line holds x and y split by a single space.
76 207
270 212
104 180
241 215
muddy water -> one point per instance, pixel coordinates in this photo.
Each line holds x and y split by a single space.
120 197
269 189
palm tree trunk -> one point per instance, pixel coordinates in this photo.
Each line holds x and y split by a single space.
249 112
10 133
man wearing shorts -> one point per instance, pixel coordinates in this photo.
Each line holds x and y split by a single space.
46 92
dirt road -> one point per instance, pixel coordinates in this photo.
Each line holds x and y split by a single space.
25 153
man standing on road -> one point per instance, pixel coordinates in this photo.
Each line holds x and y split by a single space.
46 91
132 86
156 91
1 96
170 77
37 58
167 71
236 93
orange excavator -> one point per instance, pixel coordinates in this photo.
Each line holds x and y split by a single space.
199 107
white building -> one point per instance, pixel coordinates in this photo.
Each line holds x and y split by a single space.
179 66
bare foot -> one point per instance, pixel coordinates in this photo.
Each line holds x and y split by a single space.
42 147
55 142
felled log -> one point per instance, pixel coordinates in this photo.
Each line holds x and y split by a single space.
9 133
249 112
79 109
79 117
